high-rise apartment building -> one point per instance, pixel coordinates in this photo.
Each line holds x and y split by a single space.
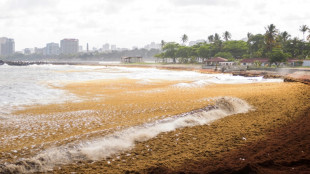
106 47
52 49
113 47
153 45
7 46
69 46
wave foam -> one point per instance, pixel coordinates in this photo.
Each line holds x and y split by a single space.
199 83
126 139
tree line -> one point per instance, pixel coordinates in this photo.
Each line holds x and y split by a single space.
273 44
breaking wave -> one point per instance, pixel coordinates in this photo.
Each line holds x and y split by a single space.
126 139
199 83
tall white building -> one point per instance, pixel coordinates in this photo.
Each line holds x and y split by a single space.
69 46
7 46
80 48
40 50
113 47
52 49
106 47
152 45
28 51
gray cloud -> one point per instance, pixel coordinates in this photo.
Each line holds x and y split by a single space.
6 16
204 2
31 4
297 17
110 7
24 8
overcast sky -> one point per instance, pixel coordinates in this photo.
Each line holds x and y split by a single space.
127 23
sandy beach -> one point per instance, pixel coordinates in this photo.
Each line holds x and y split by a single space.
272 136
227 145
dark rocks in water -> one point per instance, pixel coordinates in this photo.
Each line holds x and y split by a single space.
18 63
1 62
23 63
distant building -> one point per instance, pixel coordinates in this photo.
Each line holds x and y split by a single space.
95 49
306 63
106 47
252 61
42 50
132 59
81 48
27 51
113 47
69 46
122 49
7 46
152 45
52 49
192 43
216 61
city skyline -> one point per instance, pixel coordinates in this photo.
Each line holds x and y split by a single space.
33 23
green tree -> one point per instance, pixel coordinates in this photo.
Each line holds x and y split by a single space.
162 44
284 36
303 29
226 35
211 38
204 51
277 56
249 35
184 38
183 52
256 45
270 36
226 55
217 37
193 52
170 49
236 48
294 47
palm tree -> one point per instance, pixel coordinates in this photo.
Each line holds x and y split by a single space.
226 35
249 35
217 37
303 29
184 38
162 43
211 38
270 35
285 36
308 37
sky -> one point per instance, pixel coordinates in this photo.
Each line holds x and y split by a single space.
128 23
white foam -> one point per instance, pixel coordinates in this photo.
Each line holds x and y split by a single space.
199 83
126 139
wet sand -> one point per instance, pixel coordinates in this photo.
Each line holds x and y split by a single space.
117 104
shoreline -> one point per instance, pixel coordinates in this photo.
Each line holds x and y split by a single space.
279 73
276 105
